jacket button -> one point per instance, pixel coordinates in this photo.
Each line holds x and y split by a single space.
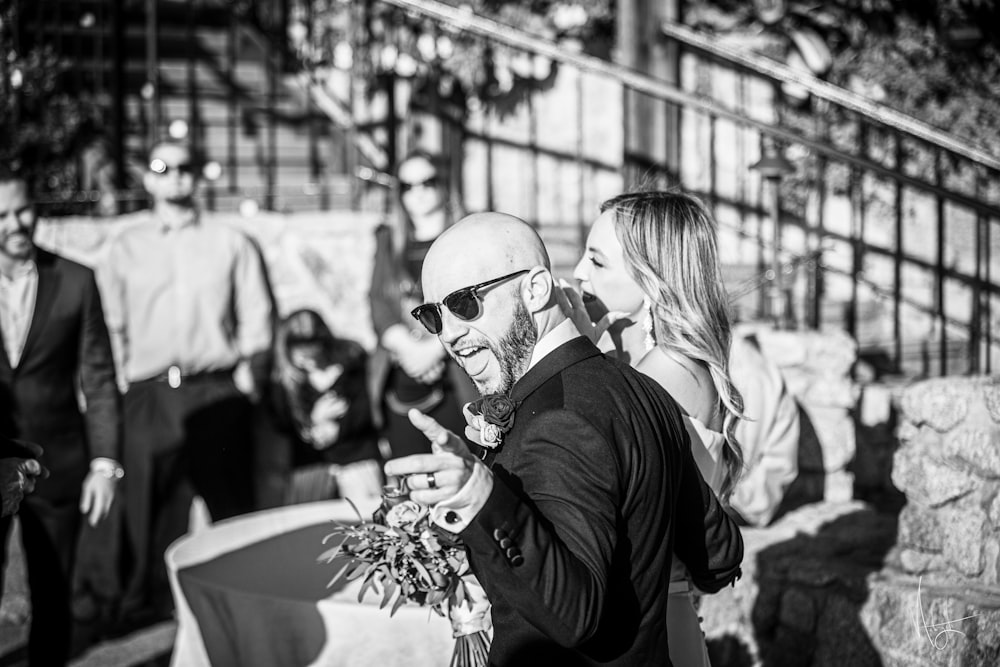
499 534
506 543
513 553
451 517
517 560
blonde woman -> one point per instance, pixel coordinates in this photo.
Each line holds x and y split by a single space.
651 267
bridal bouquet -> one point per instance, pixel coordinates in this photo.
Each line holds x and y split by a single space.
405 558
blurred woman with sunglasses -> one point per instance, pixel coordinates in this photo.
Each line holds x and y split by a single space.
651 270
410 368
322 442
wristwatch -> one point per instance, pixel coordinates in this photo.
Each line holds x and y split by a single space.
108 468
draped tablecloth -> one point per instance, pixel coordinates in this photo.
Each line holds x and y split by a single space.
249 592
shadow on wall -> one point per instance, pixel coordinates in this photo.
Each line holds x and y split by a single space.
872 464
729 651
801 601
810 483
809 574
812 588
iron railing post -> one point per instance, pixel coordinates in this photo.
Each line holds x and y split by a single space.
772 167
118 97
152 87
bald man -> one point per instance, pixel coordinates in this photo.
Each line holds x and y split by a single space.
570 522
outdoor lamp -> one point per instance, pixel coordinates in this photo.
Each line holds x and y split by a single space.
772 167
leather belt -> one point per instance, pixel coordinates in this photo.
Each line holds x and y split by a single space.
175 377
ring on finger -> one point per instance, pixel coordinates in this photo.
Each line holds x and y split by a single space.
431 482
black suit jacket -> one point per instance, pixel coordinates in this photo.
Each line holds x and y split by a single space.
594 488
67 347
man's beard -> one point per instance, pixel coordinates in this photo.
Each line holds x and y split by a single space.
514 351
27 247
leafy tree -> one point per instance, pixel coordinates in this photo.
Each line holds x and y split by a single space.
936 60
43 124
377 39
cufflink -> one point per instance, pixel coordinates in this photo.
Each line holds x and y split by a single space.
451 517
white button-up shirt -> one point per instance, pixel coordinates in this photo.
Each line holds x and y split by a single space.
17 304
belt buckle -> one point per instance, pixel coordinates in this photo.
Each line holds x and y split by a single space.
174 377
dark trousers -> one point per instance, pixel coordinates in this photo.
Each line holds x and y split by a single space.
193 439
49 532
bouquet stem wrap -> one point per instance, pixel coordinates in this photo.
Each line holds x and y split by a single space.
471 625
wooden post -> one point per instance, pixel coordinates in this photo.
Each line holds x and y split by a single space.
652 126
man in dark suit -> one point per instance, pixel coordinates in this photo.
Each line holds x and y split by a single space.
569 521
54 342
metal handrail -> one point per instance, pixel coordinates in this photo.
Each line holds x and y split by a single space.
463 19
827 91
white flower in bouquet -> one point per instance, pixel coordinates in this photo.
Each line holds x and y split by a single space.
406 514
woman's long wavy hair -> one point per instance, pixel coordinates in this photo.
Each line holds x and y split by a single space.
670 247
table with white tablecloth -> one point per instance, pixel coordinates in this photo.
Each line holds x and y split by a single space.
250 592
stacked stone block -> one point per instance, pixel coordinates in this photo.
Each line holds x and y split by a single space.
817 367
804 582
937 601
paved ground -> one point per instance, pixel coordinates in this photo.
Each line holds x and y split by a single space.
148 647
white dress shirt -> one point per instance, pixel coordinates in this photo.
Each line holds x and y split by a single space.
17 304
192 296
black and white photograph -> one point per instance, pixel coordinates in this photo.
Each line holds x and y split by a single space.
499 333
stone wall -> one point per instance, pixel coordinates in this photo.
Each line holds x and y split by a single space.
937 600
799 599
841 582
805 576
816 366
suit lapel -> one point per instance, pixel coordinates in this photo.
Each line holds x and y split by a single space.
551 364
48 288
5 369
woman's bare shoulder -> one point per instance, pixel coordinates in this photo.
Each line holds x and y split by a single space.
688 381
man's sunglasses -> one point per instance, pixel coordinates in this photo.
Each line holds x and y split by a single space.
428 183
158 166
464 304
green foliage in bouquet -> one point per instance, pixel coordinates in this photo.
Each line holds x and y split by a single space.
402 556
